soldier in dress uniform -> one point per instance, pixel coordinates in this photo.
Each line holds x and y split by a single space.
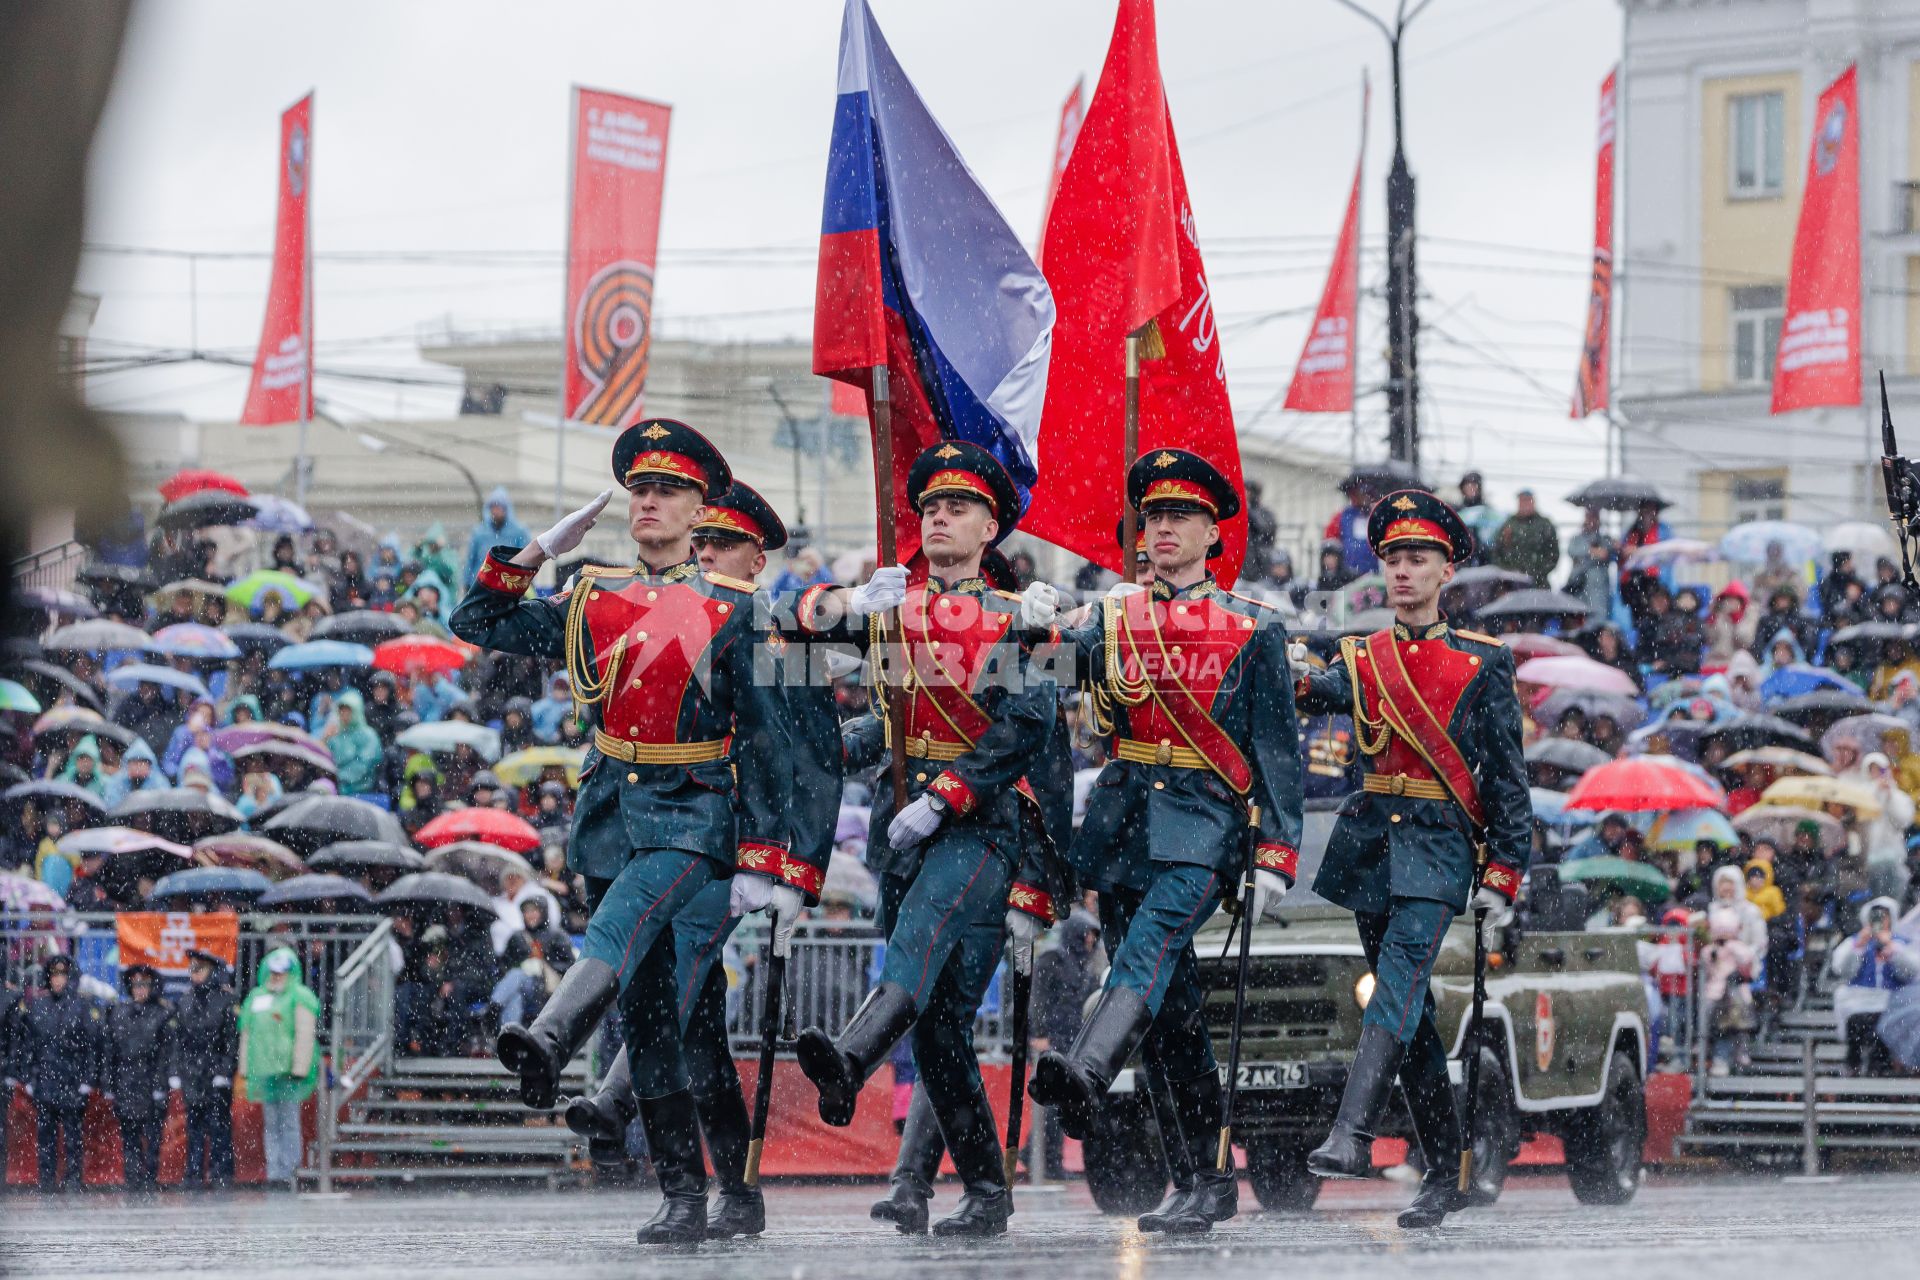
953 862
732 539
668 657
1192 682
1438 722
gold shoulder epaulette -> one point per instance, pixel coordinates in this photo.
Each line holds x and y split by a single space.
1481 636
602 571
737 584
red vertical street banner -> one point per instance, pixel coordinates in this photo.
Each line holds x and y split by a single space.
1590 385
613 235
1072 112
1323 380
281 388
1819 357
1122 252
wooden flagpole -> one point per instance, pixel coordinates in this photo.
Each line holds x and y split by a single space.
889 554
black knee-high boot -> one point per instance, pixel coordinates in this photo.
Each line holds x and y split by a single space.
1348 1150
673 1142
1075 1082
602 1117
539 1053
1436 1124
921 1146
1200 1104
838 1068
740 1209
985 1202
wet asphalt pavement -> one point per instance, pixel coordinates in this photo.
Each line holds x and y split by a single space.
1688 1229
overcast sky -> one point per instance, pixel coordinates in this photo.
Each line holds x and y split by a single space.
443 127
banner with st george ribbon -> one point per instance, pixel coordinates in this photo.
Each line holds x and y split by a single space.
1818 362
1590 384
613 237
1323 380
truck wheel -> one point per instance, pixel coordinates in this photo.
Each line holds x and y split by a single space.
1495 1136
1125 1170
1605 1143
1277 1168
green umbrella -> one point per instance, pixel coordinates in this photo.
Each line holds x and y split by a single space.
250 590
14 697
1638 878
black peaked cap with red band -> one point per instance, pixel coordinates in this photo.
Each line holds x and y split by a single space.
741 512
1177 478
961 469
663 451
1415 518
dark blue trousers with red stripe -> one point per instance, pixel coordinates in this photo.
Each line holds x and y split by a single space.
1149 939
1401 945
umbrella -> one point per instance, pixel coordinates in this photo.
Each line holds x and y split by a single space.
211 882
1616 493
1819 709
15 696
445 735
52 600
192 587
258 637
97 636
21 894
1576 671
1753 729
437 889
1643 783
358 855
1529 645
1567 755
487 865
250 590
1473 587
1642 880
1383 477
195 640
407 655
1776 822
322 819
1779 759
1675 690
1817 793
1870 731
1680 830
316 654
523 768
267 754
1899 1026
183 808
207 507
118 575
50 789
256 853
236 737
1860 631
74 720
302 891
134 673
1677 738
186 481
1623 711
1535 603
58 680
1865 539
361 626
112 840
1670 551
492 826
280 515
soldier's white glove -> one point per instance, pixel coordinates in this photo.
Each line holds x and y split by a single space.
1499 911
29 1091
173 1083
1269 887
1039 605
1022 929
159 1095
86 1089
222 1082
751 892
1121 590
1297 660
567 535
785 908
915 823
884 590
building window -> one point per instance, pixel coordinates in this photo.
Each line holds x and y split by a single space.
1756 129
1758 497
1756 311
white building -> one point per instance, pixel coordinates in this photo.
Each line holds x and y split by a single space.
1716 110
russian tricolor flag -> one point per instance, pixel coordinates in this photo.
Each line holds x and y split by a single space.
919 272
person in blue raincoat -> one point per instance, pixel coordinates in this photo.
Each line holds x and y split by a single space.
495 528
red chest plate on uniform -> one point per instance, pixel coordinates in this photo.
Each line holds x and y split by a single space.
1195 648
1440 674
951 639
664 632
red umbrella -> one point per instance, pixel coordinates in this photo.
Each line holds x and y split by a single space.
406 655
1640 784
492 826
182 483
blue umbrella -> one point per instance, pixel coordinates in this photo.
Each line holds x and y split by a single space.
1792 681
1747 543
195 640
280 515
1683 828
315 654
133 673
207 882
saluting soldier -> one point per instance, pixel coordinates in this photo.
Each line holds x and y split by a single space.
731 541
1438 724
667 656
950 861
1191 680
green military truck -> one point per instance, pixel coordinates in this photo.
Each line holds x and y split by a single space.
1563 1051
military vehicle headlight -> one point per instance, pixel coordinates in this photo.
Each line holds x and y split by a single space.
1363 989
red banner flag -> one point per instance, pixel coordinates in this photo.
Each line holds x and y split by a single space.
1121 243
613 235
1819 358
1072 112
1590 385
281 388
162 939
1323 380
